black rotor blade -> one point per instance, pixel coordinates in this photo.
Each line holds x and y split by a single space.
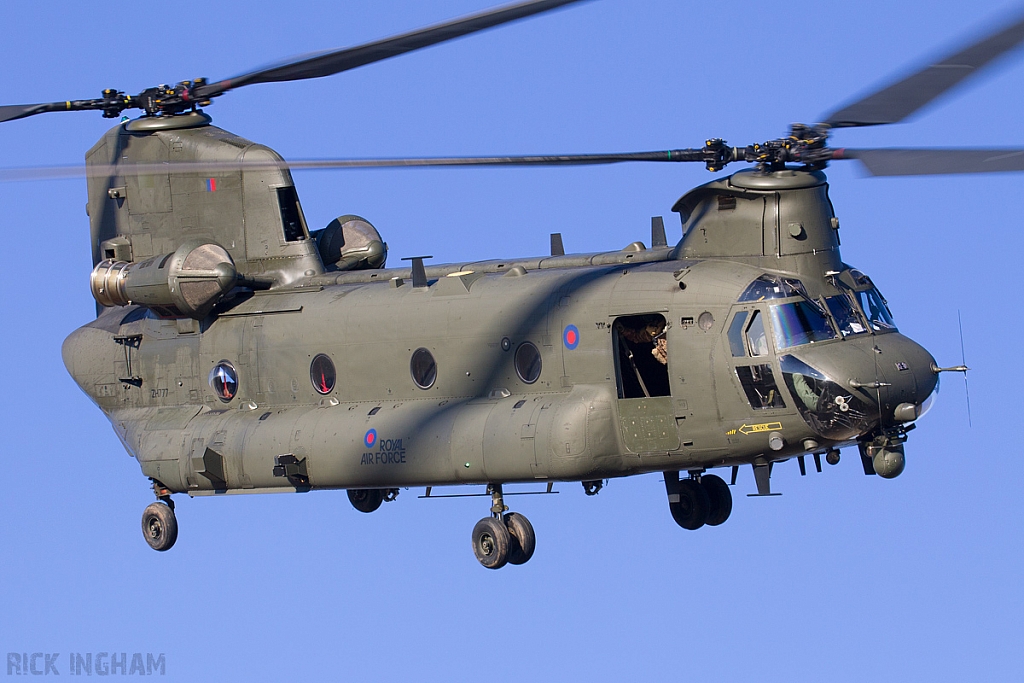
103 170
905 162
899 100
12 112
335 61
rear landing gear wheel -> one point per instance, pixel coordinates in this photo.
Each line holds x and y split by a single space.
159 526
719 498
365 500
691 512
491 542
523 540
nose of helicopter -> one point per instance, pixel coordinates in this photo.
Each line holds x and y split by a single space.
884 379
898 374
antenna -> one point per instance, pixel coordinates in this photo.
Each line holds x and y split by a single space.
963 364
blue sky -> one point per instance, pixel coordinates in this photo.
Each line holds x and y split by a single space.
844 577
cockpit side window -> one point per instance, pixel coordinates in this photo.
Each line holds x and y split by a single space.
875 309
758 382
736 334
757 338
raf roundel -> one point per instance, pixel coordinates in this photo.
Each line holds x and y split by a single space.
371 438
571 337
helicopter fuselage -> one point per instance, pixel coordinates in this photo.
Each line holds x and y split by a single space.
255 364
478 421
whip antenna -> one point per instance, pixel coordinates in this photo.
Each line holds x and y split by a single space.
963 364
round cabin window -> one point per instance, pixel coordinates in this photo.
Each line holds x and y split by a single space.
224 380
528 362
322 374
423 368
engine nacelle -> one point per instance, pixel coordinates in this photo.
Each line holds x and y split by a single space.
188 282
351 243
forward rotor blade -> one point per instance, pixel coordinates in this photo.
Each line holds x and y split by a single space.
899 100
335 61
904 162
211 167
12 112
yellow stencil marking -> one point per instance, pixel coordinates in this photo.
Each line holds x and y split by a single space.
763 427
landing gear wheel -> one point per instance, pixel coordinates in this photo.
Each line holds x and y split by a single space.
159 526
523 540
365 500
491 542
691 512
719 497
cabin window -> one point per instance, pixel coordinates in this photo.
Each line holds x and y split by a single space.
322 374
291 214
224 380
528 362
423 368
758 382
641 352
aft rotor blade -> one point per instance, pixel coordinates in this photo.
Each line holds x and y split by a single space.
335 61
211 167
899 100
905 162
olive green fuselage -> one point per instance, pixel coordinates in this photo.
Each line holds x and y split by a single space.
478 423
701 390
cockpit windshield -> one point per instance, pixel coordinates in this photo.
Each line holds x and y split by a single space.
799 322
846 316
874 307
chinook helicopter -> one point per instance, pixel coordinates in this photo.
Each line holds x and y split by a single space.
750 342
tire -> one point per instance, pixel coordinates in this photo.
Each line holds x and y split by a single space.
523 540
719 497
365 500
491 543
691 512
159 526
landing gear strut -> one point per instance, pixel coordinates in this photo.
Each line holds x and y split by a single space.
504 537
159 525
699 500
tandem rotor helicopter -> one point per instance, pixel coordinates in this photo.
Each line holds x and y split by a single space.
750 342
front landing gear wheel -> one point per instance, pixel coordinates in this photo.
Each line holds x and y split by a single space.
524 541
491 542
159 526
366 500
719 497
691 512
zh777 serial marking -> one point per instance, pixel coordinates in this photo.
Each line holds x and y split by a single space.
235 351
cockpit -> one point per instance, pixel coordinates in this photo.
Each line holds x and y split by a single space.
778 319
859 308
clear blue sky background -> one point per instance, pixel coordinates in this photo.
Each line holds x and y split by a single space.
843 578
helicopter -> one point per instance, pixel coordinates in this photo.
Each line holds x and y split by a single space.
194 358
